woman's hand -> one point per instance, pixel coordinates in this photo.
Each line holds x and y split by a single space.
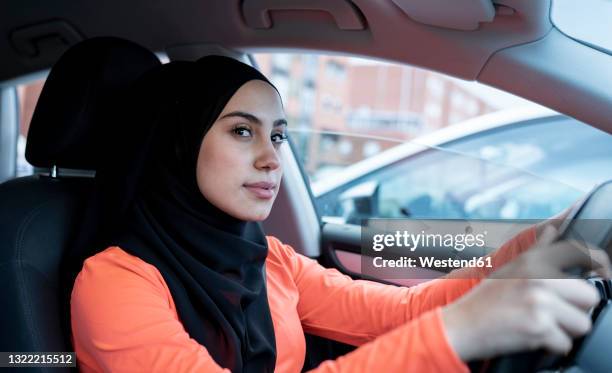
527 304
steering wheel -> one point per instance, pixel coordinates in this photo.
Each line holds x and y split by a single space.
590 221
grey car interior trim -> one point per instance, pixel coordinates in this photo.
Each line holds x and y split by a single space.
463 15
258 13
393 36
9 130
551 71
44 40
390 34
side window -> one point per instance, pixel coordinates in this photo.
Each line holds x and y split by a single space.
439 184
28 97
419 186
386 140
471 179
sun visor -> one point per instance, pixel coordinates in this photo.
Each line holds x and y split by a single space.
463 15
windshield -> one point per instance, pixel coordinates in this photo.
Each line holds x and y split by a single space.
587 21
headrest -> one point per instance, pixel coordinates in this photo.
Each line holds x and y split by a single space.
80 98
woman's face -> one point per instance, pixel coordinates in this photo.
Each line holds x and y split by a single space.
239 167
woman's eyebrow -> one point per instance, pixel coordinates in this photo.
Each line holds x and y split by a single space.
253 118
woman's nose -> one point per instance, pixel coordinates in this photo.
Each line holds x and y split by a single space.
268 158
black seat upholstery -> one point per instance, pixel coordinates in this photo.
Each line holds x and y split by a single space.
40 214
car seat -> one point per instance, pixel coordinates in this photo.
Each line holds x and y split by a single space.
40 214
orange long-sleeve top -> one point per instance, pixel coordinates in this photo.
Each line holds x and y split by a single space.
124 319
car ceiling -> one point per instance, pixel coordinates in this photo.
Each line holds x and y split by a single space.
519 50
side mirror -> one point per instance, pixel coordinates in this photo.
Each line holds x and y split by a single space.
360 202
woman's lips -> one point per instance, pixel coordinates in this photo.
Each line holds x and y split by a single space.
261 190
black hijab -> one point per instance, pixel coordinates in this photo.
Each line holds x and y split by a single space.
149 204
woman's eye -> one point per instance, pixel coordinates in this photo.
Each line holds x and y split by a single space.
242 131
279 138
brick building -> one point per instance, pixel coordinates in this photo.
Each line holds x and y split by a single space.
343 109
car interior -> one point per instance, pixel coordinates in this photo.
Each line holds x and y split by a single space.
517 46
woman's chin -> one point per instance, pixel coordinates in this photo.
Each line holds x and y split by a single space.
259 216
252 212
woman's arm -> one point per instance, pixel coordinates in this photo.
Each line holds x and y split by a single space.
334 306
418 346
124 320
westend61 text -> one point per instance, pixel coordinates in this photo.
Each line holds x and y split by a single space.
431 262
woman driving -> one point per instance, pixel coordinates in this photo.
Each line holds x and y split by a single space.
183 278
